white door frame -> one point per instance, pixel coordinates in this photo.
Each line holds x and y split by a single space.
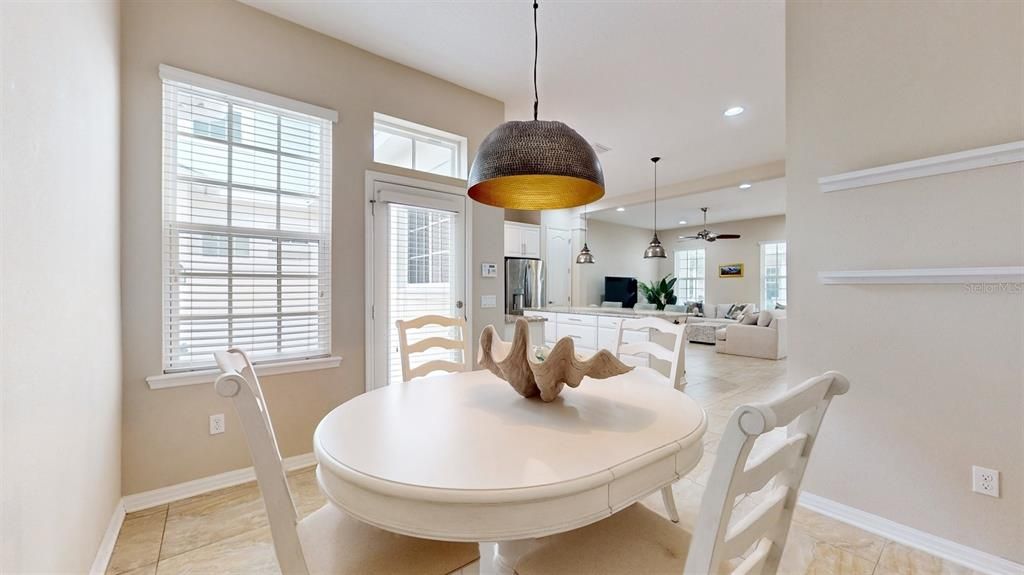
372 179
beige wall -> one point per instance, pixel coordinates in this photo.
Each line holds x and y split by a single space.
60 348
618 251
165 432
937 371
745 250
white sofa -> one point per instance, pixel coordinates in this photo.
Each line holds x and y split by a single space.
764 341
714 313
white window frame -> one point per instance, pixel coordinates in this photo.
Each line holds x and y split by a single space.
420 133
764 271
682 281
202 373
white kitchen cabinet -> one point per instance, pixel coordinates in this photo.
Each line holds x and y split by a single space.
550 329
522 240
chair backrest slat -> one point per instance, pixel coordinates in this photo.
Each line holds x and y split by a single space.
752 527
760 472
435 365
646 348
676 356
803 409
238 381
406 349
754 563
434 342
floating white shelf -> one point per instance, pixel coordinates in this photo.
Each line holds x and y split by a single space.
992 275
947 163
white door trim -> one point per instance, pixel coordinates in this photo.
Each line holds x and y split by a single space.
550 269
372 178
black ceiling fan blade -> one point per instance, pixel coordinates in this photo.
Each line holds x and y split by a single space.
727 236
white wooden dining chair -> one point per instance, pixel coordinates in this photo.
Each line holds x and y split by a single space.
675 356
638 540
327 541
406 349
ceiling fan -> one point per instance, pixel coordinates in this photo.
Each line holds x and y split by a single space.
708 235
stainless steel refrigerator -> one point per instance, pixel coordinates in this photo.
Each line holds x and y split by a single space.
524 284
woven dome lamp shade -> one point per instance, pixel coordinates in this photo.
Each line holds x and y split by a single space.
535 165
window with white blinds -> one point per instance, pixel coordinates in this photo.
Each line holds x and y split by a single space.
246 227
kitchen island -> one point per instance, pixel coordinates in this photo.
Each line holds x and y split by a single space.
594 328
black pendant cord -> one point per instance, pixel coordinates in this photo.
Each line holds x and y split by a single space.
655 226
536 49
586 225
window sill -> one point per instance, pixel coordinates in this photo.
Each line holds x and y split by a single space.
167 380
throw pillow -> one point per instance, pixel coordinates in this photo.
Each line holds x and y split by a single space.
765 318
774 324
749 319
735 311
780 305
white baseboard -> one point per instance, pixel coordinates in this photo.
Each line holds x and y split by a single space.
147 499
106 549
944 548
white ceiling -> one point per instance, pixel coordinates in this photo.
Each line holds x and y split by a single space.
767 198
645 78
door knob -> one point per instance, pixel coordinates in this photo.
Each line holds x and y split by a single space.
459 304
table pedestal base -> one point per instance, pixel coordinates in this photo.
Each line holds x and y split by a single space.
507 554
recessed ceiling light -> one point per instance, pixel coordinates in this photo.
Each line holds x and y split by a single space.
734 111
745 186
620 209
682 222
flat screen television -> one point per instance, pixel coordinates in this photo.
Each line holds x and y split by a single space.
621 290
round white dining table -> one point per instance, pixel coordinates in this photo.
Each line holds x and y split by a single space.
463 457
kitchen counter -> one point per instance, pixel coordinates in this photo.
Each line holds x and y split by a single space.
511 319
614 311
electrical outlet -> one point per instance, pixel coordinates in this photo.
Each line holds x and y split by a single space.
985 481
216 423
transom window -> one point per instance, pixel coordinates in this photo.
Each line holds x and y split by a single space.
409 145
773 274
690 275
246 228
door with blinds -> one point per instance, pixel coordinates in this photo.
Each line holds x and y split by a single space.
418 261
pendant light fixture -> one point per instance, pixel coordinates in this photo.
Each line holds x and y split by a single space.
535 165
585 257
655 249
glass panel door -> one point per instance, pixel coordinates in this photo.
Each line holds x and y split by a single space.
419 252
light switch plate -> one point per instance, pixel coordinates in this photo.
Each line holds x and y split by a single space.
488 301
488 270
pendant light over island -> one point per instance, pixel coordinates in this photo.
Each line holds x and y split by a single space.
655 249
536 164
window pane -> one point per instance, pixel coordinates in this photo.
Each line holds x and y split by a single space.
392 149
254 127
253 168
201 159
435 159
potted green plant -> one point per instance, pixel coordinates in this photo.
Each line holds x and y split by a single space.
660 293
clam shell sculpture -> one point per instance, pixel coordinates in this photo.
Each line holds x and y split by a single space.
515 363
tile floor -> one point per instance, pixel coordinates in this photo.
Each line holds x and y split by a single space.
226 531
